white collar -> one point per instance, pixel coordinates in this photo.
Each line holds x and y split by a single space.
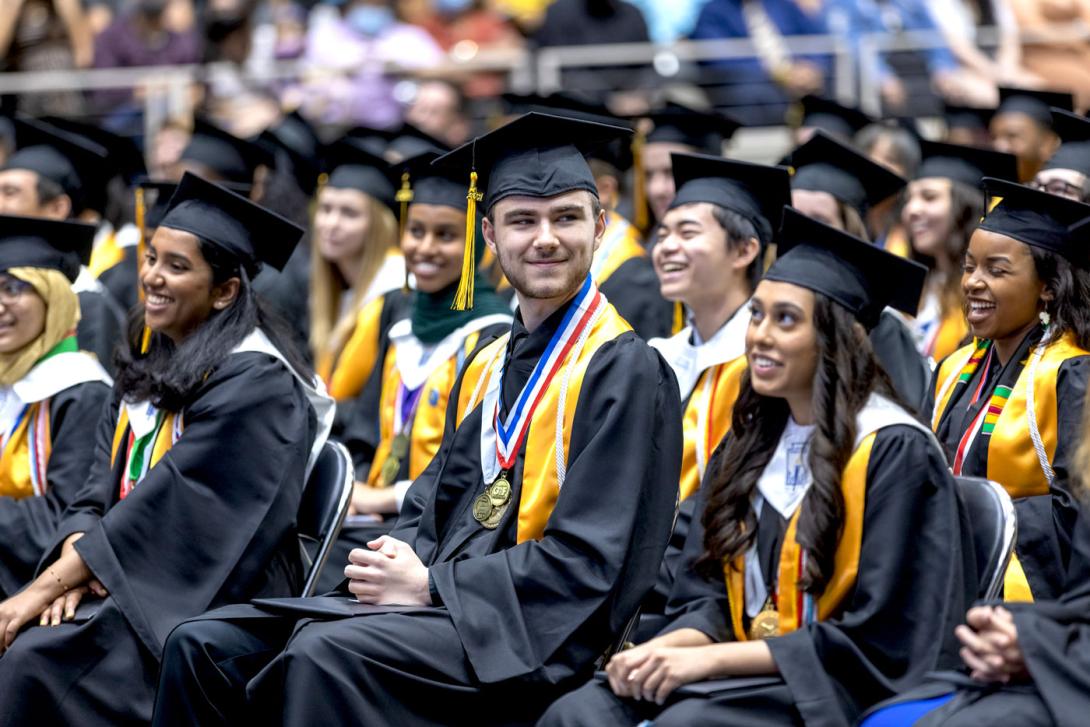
415 363
57 373
689 361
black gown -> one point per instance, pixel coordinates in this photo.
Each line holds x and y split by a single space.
916 576
212 523
29 524
1045 522
121 280
896 351
517 624
633 289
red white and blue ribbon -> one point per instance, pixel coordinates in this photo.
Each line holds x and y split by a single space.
502 440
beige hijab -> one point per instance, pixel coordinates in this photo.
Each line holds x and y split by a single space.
61 317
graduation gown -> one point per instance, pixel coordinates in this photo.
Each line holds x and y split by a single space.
75 388
211 523
515 622
895 349
893 626
624 273
102 321
1046 511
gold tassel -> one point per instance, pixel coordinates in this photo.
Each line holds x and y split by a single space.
141 251
639 183
404 196
463 299
145 340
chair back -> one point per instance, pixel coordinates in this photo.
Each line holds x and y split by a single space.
323 508
995 529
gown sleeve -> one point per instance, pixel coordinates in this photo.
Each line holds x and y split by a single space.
101 325
517 609
916 576
209 521
29 524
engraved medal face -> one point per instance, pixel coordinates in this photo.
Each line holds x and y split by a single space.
399 447
482 508
500 492
765 625
389 471
493 520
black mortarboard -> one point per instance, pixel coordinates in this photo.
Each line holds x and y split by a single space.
64 158
294 138
36 242
536 155
246 230
967 117
965 164
1034 217
1074 133
832 117
160 192
223 154
617 153
757 192
410 141
704 131
125 160
440 184
352 166
860 276
826 164
1035 104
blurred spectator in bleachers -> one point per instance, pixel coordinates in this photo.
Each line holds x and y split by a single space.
757 89
1060 50
45 35
139 36
669 21
959 20
439 109
347 49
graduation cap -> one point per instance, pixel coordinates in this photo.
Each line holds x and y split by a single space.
160 191
401 142
1074 133
536 155
247 231
230 158
70 161
125 157
860 276
826 164
832 117
439 184
1035 104
616 153
967 117
352 166
294 138
757 192
965 164
704 131
37 242
1034 217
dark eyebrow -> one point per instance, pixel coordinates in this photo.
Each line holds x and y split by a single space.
787 308
517 212
997 259
566 209
177 256
690 221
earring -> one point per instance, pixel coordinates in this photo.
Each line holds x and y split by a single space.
1045 318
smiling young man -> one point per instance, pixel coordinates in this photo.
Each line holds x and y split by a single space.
527 543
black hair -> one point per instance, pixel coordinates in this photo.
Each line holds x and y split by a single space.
1070 286
739 230
48 190
169 375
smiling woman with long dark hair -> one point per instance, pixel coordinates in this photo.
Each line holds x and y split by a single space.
806 563
1008 405
198 471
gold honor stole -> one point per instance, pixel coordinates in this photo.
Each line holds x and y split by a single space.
429 420
953 329
794 606
1012 458
106 255
620 243
142 453
346 373
540 481
707 419
26 453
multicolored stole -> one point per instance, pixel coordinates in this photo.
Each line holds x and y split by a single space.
1018 426
540 421
794 607
620 243
146 437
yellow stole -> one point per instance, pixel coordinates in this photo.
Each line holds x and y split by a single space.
620 243
26 454
106 255
123 440
426 430
1012 459
346 373
789 598
953 329
707 419
540 483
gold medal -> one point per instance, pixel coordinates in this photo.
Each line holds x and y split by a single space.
388 473
493 520
500 492
399 448
765 624
482 508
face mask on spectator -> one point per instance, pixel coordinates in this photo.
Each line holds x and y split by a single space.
369 19
452 7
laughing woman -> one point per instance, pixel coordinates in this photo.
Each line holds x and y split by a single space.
51 394
1008 406
821 557
198 470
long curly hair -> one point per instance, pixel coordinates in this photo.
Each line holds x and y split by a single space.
847 374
